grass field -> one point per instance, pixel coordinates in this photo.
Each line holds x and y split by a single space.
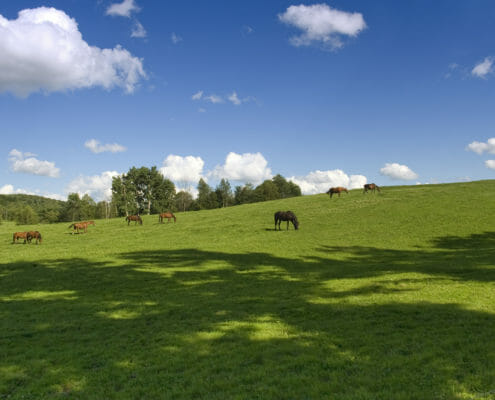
376 296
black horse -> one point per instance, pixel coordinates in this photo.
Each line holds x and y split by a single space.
286 216
370 186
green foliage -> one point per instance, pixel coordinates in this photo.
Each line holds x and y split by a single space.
183 201
244 194
207 199
224 193
45 208
26 216
376 296
142 190
268 190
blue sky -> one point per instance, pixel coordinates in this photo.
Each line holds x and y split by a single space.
326 93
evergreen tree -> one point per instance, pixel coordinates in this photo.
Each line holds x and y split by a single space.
224 193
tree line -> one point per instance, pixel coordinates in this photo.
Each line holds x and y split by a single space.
141 191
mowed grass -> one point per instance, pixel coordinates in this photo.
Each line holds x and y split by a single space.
377 296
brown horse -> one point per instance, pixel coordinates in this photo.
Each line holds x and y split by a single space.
337 190
135 218
370 186
81 226
286 216
34 235
19 235
167 215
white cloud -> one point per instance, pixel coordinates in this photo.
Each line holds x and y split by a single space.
234 99
480 147
99 187
27 163
95 146
183 169
247 167
43 50
320 181
124 9
201 110
490 164
138 30
175 38
213 98
9 189
323 24
197 96
482 69
398 171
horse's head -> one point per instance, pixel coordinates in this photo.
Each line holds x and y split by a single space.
296 223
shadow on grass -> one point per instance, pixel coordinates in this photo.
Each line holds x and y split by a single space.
197 324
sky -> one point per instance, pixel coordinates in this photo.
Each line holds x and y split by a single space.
336 93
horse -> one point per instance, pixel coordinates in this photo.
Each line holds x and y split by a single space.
81 226
286 216
167 215
33 235
19 235
370 186
135 218
337 190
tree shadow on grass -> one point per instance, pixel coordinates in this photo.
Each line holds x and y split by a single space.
201 324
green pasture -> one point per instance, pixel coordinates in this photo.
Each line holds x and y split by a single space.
378 296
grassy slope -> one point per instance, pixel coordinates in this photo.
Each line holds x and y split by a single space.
385 296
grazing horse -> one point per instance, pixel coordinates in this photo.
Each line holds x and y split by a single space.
167 215
286 216
337 190
81 226
34 235
135 218
370 186
19 235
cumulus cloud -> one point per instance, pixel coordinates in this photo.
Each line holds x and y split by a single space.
320 23
482 69
96 147
27 163
320 181
99 187
398 171
247 167
138 30
43 50
124 9
481 147
490 164
179 169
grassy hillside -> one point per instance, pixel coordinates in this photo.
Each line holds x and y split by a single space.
377 296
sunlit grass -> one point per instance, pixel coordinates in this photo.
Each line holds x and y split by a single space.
385 296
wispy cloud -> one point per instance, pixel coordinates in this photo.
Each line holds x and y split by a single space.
197 96
138 30
484 68
96 147
175 38
124 9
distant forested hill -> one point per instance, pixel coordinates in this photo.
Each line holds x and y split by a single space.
45 208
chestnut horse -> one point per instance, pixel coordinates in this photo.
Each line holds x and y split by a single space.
81 226
135 218
167 215
34 235
370 186
286 216
19 235
337 190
